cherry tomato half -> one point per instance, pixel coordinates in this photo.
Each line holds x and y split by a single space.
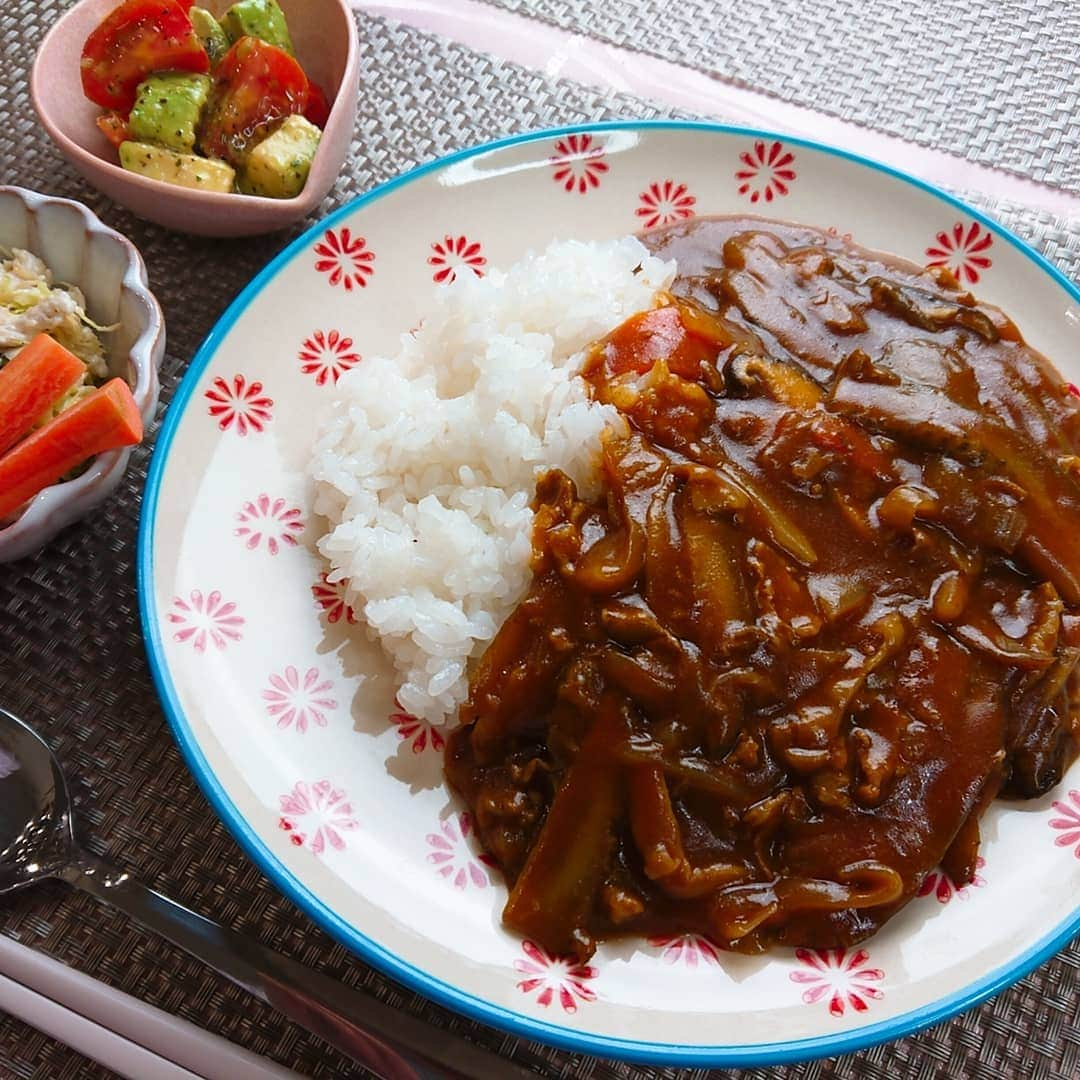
318 108
255 85
136 39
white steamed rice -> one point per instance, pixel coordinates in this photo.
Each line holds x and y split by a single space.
428 466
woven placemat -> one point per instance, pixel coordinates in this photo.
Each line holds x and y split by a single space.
996 82
1055 237
72 660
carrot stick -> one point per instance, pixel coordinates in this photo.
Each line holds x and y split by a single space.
114 127
30 382
106 420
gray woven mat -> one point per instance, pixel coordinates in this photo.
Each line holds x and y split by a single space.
72 661
996 82
1055 237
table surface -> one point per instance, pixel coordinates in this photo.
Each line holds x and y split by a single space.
992 107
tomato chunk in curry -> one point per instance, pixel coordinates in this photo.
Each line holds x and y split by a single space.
825 610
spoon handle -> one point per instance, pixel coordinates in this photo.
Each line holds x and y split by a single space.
392 1044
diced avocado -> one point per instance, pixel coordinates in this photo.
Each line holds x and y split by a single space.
278 167
185 170
211 33
262 19
168 108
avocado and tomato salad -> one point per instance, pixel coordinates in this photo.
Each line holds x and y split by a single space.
205 103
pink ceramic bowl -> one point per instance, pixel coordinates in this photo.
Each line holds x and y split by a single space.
324 33
82 251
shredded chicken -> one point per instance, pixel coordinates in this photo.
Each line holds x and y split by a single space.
31 303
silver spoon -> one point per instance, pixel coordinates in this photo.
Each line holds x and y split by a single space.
37 841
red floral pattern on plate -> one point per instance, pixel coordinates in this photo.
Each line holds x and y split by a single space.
454 253
1068 824
664 202
203 619
766 172
327 355
578 163
690 949
553 978
317 816
239 404
297 701
962 250
346 258
453 856
272 520
944 888
330 596
418 732
838 977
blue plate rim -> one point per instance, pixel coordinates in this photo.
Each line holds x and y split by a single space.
435 989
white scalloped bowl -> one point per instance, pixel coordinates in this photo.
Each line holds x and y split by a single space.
81 250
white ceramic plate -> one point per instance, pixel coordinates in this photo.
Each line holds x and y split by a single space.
286 714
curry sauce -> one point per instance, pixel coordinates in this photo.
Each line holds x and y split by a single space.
824 611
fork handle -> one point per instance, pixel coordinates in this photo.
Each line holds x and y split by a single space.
392 1044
